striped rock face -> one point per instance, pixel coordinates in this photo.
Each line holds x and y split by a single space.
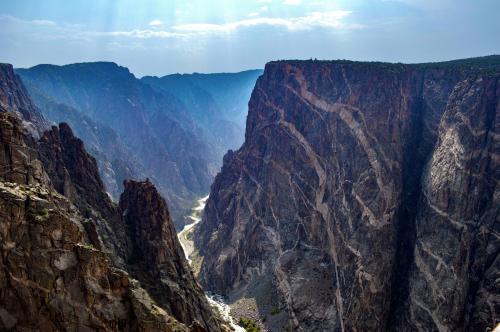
365 197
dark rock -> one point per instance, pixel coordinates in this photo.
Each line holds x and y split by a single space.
14 98
157 259
368 192
73 171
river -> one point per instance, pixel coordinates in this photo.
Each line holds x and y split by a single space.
188 247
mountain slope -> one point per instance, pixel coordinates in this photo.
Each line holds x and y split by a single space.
116 162
154 126
217 102
365 197
14 98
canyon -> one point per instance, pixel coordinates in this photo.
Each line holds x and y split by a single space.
363 196
173 129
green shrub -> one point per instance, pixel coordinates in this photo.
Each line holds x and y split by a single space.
249 324
275 311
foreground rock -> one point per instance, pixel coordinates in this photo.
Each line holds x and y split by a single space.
156 257
365 197
69 258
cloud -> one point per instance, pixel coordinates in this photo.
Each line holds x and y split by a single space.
13 19
331 19
44 22
265 1
264 8
292 2
158 30
155 23
136 33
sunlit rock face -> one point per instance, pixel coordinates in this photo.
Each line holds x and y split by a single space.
14 98
367 193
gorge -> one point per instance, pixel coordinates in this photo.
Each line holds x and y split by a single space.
363 196
172 129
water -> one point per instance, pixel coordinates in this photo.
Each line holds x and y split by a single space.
195 216
188 247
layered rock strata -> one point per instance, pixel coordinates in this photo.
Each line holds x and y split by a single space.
365 196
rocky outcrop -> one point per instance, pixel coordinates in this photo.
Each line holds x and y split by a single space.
73 171
138 235
14 98
156 257
52 279
19 161
365 196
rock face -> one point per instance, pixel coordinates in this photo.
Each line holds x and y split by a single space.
68 253
73 171
18 159
156 256
365 195
51 279
14 98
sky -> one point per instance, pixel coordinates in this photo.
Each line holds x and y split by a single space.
159 37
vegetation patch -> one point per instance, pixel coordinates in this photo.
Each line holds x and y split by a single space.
249 324
275 311
44 213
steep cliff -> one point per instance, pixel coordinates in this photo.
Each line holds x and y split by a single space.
14 98
67 255
156 257
365 196
73 171
52 278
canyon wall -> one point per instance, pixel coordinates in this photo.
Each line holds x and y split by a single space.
365 196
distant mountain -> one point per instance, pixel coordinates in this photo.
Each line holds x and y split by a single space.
218 102
159 132
116 162
365 197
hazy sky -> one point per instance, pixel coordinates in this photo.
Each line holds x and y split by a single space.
157 37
